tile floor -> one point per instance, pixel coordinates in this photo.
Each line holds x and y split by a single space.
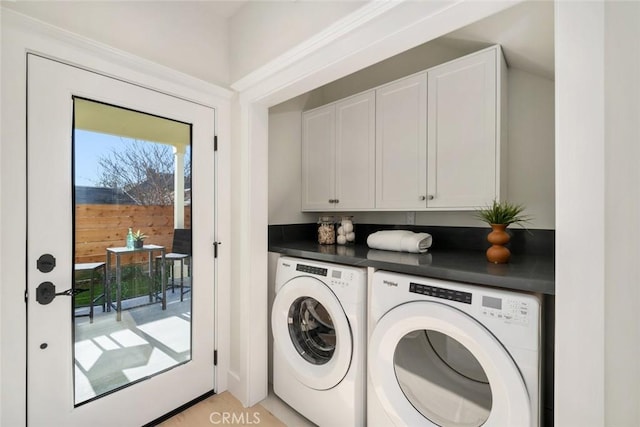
271 412
284 412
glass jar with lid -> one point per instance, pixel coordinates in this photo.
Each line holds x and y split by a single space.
346 233
326 230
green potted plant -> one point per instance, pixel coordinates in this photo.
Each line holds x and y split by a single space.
138 239
499 215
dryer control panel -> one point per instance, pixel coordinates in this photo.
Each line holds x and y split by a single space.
437 292
510 310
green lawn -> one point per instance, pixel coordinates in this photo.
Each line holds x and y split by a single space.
135 283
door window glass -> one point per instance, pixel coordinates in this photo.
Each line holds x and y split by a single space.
311 330
132 247
442 379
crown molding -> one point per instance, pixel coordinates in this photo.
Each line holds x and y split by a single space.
332 33
371 34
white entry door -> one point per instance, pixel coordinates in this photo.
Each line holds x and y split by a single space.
133 338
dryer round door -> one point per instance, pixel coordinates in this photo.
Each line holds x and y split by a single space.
312 333
431 364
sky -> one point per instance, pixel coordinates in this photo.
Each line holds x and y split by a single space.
89 147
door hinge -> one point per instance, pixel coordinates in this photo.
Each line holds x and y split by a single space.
215 143
215 249
26 296
215 357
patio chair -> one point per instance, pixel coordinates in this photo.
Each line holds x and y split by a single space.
93 268
180 252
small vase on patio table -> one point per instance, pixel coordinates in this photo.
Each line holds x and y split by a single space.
138 244
498 253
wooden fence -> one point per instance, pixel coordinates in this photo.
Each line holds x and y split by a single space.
99 227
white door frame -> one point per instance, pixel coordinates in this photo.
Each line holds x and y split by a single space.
19 36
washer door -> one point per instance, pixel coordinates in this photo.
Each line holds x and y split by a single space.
432 365
312 332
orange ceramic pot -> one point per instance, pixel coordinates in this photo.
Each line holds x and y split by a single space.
498 253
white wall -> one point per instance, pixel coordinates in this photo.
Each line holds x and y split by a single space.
262 30
580 215
622 212
530 155
531 145
184 36
285 184
1 224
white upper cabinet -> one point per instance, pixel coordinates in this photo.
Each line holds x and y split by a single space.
401 144
430 141
318 158
463 166
338 155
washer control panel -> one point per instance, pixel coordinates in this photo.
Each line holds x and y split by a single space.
511 310
318 271
336 276
341 278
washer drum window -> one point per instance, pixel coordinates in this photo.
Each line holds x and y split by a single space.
442 379
431 364
311 330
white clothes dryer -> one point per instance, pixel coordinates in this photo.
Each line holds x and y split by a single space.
449 354
318 321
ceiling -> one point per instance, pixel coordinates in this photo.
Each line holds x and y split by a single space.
525 32
111 120
221 8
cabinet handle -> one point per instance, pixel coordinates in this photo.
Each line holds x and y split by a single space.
423 198
336 201
431 197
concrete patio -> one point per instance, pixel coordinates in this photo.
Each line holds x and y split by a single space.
111 354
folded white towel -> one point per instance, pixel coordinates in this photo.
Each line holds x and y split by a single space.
400 241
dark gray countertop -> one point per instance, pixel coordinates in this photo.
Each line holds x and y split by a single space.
530 272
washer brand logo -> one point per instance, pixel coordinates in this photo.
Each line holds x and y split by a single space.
286 265
388 283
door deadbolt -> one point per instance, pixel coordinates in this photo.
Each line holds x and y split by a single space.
46 263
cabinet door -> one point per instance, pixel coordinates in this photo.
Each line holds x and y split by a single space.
462 145
318 155
401 144
355 152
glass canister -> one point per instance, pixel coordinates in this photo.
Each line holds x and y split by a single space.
346 231
326 231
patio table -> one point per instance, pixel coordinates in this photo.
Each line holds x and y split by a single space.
117 253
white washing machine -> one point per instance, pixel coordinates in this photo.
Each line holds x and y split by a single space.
448 354
319 329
